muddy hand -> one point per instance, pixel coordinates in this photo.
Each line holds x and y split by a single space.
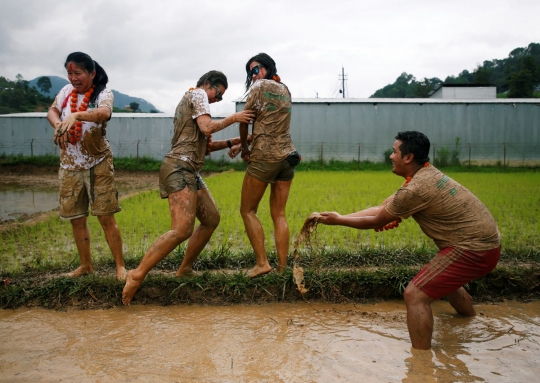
246 153
208 145
234 150
61 140
65 125
329 217
245 116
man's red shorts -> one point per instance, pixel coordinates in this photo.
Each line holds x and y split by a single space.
452 268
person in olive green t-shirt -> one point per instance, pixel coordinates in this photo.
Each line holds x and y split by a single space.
272 159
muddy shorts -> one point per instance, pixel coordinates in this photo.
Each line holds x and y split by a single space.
94 187
452 268
271 172
175 175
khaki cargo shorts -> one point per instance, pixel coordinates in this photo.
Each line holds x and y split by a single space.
271 172
175 175
94 187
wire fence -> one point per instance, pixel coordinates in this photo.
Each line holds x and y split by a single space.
503 154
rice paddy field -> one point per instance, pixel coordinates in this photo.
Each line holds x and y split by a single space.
512 198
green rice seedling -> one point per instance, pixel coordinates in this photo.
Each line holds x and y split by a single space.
512 198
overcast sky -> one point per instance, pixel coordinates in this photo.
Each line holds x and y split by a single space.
157 49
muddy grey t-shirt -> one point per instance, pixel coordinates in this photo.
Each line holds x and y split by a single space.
271 138
93 146
188 142
446 211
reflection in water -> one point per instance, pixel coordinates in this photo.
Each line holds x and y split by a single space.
16 203
268 343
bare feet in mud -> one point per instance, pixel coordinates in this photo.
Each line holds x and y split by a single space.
281 269
257 271
80 271
130 289
121 273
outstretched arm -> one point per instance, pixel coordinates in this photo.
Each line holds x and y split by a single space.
232 143
209 126
372 218
372 211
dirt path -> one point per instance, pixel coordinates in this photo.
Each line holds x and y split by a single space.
47 177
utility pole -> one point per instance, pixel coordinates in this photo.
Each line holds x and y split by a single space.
342 91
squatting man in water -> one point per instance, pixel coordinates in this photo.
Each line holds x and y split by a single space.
461 226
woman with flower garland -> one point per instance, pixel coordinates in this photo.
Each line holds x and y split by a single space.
180 182
461 226
272 159
79 116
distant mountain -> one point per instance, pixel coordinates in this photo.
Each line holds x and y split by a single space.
121 100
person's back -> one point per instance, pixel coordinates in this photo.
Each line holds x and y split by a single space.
446 211
271 137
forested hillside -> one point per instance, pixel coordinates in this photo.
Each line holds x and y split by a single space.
37 95
517 76
18 97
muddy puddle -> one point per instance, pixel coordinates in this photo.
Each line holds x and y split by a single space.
268 343
22 196
17 204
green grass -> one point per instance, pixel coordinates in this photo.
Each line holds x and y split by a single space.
512 198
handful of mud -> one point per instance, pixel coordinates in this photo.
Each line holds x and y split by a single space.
305 234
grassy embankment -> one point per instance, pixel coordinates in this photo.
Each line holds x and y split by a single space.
341 264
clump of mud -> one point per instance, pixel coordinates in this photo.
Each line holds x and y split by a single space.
305 236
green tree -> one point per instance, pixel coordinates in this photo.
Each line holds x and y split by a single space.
44 83
523 82
134 106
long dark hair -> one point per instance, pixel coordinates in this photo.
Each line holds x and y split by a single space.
267 62
85 61
214 77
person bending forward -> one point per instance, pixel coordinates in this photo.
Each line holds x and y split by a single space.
461 226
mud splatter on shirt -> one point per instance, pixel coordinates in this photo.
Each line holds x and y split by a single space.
93 146
189 143
271 138
446 211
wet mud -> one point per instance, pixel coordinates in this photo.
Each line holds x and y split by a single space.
28 195
268 343
303 239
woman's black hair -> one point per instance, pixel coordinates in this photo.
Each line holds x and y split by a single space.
214 77
266 61
416 143
85 61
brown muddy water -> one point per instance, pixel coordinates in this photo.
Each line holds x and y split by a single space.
16 204
268 343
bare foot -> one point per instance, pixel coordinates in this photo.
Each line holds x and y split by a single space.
190 273
121 273
257 270
80 271
281 269
130 288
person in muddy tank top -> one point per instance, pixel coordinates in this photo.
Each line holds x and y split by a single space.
79 116
180 182
272 159
459 223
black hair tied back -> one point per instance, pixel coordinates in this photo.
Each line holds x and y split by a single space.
85 61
